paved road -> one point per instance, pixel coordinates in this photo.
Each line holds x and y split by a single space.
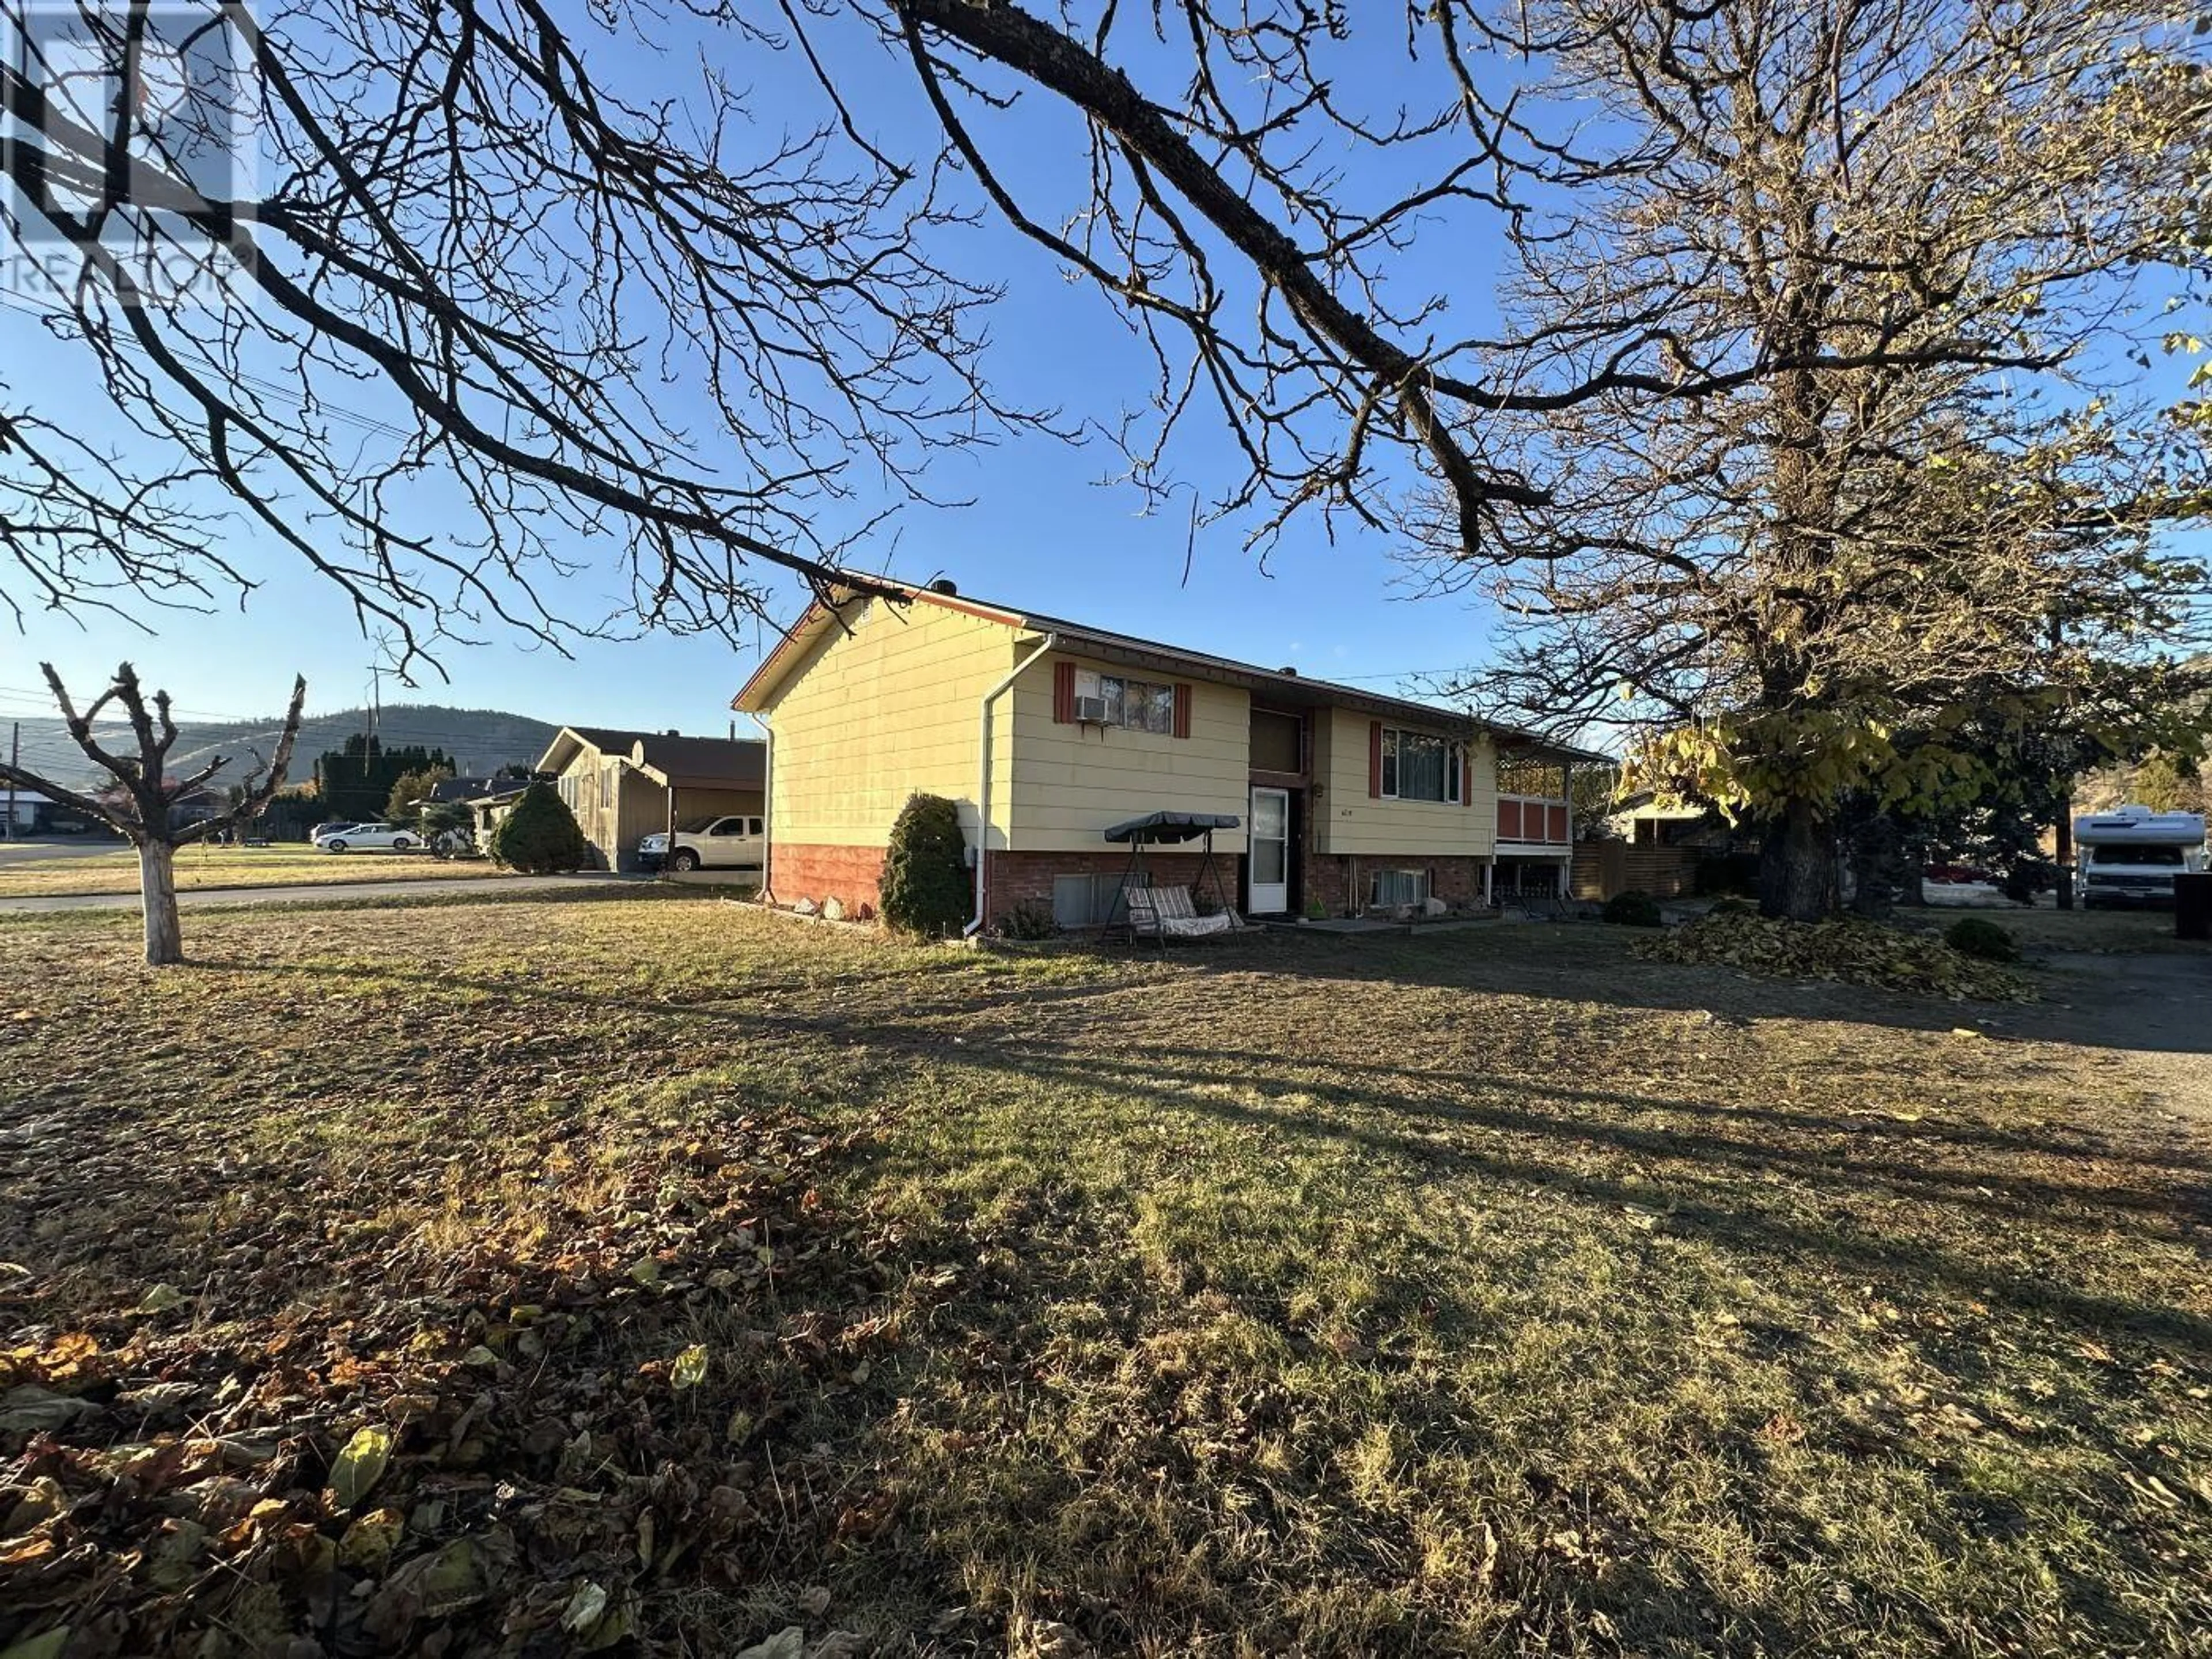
326 892
14 853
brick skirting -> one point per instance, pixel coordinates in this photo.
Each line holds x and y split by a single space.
1456 880
851 875
1020 878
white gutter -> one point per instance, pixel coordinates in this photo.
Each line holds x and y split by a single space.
766 893
983 784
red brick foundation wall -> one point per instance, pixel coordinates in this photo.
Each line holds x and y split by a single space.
1018 879
1329 878
851 875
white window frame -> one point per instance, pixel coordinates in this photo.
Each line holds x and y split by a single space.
1089 683
1418 879
1454 767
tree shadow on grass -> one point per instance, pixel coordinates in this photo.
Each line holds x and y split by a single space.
1701 1161
1399 1112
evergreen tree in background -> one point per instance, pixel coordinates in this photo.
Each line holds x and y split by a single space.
540 837
356 780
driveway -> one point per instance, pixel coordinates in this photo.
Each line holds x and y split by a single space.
328 893
2155 1008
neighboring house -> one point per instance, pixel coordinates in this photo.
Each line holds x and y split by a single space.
1643 819
625 785
25 812
496 801
459 791
1046 731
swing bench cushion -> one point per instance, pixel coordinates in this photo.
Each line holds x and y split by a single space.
1168 912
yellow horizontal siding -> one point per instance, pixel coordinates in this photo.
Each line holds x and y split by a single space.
883 709
1351 821
1070 782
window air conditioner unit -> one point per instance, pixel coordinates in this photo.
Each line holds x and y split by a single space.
1092 709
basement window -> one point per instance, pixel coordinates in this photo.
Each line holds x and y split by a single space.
1392 888
1091 901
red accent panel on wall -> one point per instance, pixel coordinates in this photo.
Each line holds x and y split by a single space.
1183 710
1465 778
1063 693
1555 825
1509 820
1374 759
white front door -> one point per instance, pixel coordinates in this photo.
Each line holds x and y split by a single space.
1270 884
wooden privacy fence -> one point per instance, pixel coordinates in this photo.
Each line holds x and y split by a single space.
1604 868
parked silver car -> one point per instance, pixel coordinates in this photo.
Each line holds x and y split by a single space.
372 837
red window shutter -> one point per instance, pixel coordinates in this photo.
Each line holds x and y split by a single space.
1466 776
1374 759
1063 693
1181 710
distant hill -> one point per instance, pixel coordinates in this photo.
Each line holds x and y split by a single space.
480 740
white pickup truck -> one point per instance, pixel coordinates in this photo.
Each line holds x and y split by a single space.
726 842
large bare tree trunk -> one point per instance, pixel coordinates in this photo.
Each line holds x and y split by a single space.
1797 866
157 891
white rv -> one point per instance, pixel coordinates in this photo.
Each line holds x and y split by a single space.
2131 854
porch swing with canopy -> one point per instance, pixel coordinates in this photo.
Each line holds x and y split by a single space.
1166 913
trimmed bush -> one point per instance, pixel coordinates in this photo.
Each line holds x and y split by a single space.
926 889
539 836
1632 909
1029 920
1977 936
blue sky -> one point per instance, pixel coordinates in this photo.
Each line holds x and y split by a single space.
1043 531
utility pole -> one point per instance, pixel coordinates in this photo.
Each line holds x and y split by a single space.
375 699
14 759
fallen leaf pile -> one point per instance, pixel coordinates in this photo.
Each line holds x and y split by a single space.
1844 952
474 1459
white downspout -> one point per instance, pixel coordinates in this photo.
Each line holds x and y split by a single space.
983 784
767 894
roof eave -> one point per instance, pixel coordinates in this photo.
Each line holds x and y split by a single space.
566 734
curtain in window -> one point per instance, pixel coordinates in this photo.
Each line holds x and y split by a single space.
1421 767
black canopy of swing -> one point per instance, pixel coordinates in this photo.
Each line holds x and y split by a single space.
1161 828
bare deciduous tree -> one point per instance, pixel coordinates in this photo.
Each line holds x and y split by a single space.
142 805
426 340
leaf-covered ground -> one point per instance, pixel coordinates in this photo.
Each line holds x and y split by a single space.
1848 952
201 867
651 1275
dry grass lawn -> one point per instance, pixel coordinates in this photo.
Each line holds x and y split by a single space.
204 866
534 1277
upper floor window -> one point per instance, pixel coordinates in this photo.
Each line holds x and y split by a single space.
1417 766
1138 705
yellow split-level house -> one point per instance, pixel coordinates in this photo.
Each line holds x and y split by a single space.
1048 732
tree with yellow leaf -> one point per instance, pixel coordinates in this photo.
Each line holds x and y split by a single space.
1940 517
